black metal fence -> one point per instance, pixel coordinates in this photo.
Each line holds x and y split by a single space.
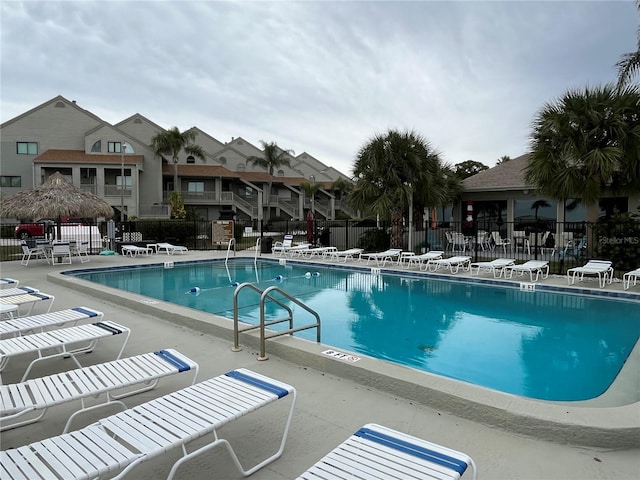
564 245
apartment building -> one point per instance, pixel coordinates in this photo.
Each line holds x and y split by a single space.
116 163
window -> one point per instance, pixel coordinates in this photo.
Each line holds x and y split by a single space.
191 159
196 188
115 147
240 167
27 148
10 181
280 173
127 180
248 192
97 147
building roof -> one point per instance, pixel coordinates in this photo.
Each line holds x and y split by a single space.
506 176
79 156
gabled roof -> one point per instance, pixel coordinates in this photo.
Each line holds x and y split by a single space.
59 98
80 156
506 176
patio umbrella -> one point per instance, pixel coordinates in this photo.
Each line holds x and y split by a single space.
55 198
310 226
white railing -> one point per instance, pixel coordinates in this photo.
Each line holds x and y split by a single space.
162 211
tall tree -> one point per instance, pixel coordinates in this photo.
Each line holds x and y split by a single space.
273 157
503 159
587 141
393 170
469 168
172 142
341 188
310 190
629 63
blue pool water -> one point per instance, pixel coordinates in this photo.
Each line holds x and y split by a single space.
537 344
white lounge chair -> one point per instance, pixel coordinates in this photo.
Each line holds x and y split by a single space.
35 252
37 323
494 266
117 444
601 268
28 301
279 247
454 264
344 255
8 283
316 252
629 277
421 260
379 452
539 267
60 343
382 257
11 292
171 249
134 250
113 379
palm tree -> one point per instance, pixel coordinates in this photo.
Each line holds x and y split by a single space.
537 205
392 171
310 190
503 159
171 142
341 187
585 142
273 158
629 63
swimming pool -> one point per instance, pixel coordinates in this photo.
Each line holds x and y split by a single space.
536 344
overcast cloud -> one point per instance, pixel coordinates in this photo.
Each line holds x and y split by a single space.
316 76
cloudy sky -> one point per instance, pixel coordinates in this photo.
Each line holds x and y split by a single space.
316 76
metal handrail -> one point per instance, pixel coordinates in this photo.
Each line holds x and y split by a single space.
232 241
237 330
267 295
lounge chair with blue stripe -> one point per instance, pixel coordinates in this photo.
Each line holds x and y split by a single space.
114 446
38 323
377 452
28 301
60 343
10 292
113 380
8 283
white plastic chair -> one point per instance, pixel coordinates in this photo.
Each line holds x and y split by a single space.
82 251
35 252
61 250
498 241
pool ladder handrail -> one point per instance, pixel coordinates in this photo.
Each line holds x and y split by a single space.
264 296
232 241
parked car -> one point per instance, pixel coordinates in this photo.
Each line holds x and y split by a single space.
43 228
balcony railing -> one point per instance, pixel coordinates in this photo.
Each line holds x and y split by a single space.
158 211
116 191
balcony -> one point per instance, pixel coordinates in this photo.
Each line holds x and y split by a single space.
116 191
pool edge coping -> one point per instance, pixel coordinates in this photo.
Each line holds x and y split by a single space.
599 426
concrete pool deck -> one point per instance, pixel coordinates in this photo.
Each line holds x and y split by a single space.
337 397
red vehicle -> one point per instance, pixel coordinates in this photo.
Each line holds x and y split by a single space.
41 228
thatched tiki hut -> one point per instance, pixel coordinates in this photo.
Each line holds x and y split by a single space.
55 198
